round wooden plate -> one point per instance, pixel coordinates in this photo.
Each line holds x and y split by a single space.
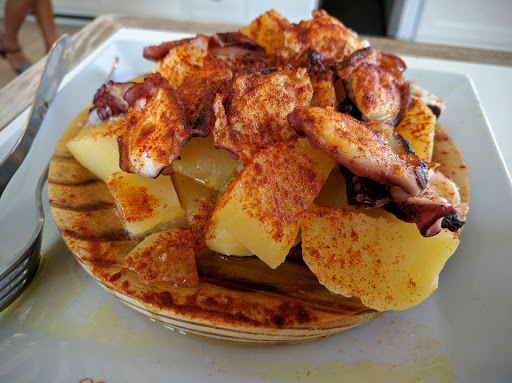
238 299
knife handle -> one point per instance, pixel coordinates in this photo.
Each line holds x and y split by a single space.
55 68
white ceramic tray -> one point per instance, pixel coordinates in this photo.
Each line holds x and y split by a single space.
66 328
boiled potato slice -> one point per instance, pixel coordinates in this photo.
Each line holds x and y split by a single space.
262 205
418 127
195 198
198 202
200 160
167 256
334 193
386 263
95 147
145 203
220 240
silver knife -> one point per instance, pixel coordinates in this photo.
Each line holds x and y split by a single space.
56 67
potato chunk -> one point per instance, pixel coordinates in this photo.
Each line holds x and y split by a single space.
95 147
167 256
418 128
210 166
386 263
262 205
222 241
144 203
198 202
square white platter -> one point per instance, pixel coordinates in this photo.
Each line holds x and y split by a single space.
66 328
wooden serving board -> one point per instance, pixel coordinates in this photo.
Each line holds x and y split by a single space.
238 299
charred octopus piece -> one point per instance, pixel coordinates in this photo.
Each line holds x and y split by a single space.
358 147
437 207
189 59
427 216
156 129
205 116
253 117
311 59
373 81
235 46
321 76
348 107
431 210
158 52
196 75
452 222
427 210
364 192
108 101
326 35
232 45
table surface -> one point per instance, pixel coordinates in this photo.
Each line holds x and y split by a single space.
18 94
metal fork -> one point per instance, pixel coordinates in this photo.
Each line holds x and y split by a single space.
17 274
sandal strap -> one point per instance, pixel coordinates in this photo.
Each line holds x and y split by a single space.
12 51
4 51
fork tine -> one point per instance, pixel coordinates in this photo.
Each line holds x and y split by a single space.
12 274
14 284
11 270
18 275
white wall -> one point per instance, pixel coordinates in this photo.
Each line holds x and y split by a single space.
221 11
473 23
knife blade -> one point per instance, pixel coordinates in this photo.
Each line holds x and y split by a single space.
56 67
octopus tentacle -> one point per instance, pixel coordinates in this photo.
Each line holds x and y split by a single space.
158 52
362 147
364 192
434 209
428 217
109 101
348 107
373 81
452 222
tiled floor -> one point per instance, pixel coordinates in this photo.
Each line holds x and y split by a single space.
33 46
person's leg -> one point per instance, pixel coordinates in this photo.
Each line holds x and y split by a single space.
44 14
15 13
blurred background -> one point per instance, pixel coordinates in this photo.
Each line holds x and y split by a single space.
469 23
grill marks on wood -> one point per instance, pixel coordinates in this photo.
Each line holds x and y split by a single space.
334 306
100 205
101 237
86 181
